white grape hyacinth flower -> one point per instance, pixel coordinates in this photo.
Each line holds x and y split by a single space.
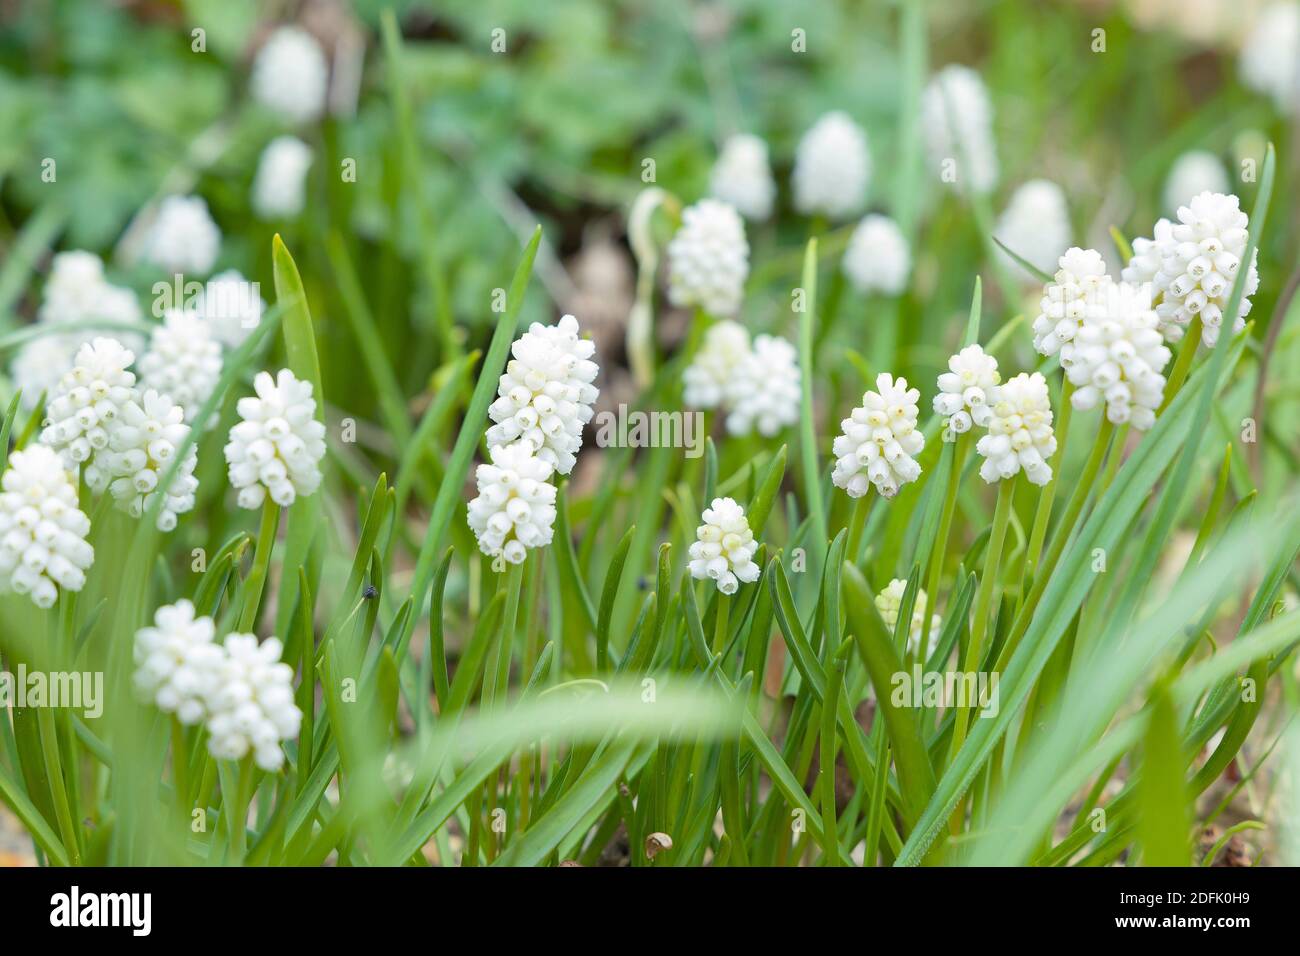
1035 226
877 258
708 259
1020 435
291 75
724 546
277 447
762 392
145 440
889 602
515 506
183 239
704 381
1196 171
251 706
232 306
177 662
546 393
43 545
1192 264
964 389
1118 358
1078 289
832 168
957 119
88 400
742 177
183 360
1270 57
879 441
279 186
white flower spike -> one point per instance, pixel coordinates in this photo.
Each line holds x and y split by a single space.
279 187
880 441
964 389
515 506
183 360
742 177
43 543
88 400
1269 62
290 75
1192 264
1195 172
704 381
1035 226
957 118
232 306
142 445
278 446
546 393
1020 436
832 168
877 258
1118 358
1079 288
178 662
708 259
724 547
889 601
763 390
251 706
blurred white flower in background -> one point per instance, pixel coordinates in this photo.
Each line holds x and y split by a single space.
832 168
890 600
183 360
957 119
1196 171
708 259
1270 57
742 177
279 187
291 76
877 258
1035 226
251 705
762 392
232 306
183 239
704 381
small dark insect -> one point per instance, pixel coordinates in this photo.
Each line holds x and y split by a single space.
369 592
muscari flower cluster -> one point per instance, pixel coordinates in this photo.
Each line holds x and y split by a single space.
240 690
276 448
1191 265
964 389
724 546
183 360
757 384
889 601
1020 435
43 533
231 306
183 238
957 119
708 259
546 394
291 76
545 397
279 187
879 441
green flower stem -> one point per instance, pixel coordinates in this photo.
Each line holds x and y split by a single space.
180 768
256 582
939 552
1114 461
983 600
54 775
808 430
1044 513
829 744
721 621
1183 364
857 522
